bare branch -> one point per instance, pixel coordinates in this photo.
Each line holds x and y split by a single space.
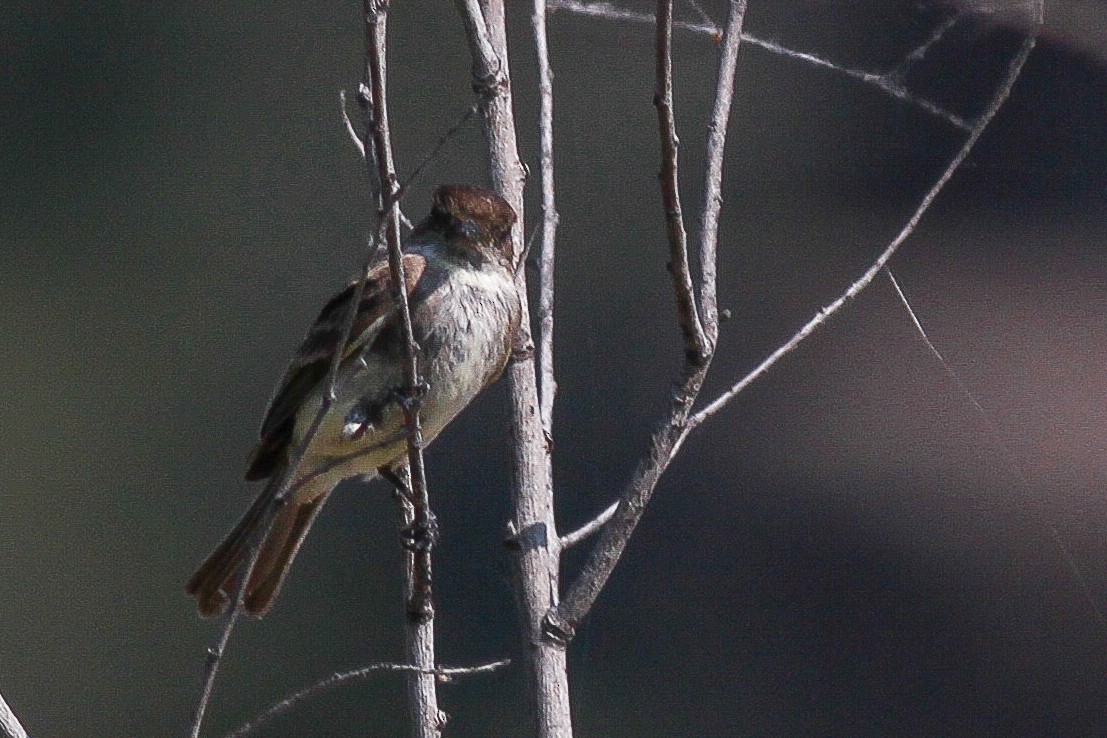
887 83
354 136
487 36
419 623
10 727
919 53
339 678
865 279
589 529
713 178
547 383
535 541
695 343
561 622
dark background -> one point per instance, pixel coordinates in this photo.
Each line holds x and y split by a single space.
846 550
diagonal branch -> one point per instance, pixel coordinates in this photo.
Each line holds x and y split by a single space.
1003 92
886 83
10 727
339 678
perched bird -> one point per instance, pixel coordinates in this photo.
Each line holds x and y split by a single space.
465 311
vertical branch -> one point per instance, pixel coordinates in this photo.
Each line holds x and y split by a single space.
419 622
713 178
548 384
695 345
535 543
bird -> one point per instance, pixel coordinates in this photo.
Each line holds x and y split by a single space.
465 310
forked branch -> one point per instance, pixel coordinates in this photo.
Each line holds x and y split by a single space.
1001 95
561 622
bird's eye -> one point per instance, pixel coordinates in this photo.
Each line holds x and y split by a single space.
468 229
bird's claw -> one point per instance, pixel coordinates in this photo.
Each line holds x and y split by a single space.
420 536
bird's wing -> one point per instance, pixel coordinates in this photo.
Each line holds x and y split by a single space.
312 361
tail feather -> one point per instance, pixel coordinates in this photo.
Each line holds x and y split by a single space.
213 582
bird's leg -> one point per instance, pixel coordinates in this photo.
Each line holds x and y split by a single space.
420 535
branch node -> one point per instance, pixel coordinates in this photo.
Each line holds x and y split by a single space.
420 610
420 536
491 86
523 352
557 631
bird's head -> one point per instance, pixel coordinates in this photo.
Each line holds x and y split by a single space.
476 221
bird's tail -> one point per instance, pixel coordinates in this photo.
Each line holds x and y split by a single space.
214 581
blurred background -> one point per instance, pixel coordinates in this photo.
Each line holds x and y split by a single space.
846 550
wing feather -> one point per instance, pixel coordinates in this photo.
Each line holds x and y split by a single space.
311 363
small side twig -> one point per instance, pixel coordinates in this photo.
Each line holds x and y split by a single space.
887 83
354 135
593 526
286 484
340 678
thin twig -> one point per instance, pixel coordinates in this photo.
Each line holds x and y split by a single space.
919 53
865 279
886 83
285 484
339 678
561 622
1023 485
10 727
419 624
704 17
354 136
695 343
589 529
547 384
452 131
713 177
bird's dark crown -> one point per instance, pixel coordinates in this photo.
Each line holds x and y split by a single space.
472 216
